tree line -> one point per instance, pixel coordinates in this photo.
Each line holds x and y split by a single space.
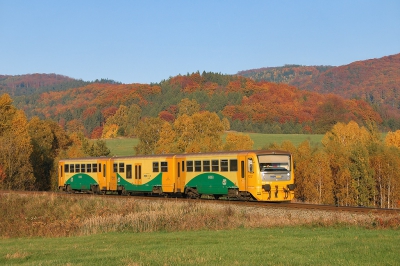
30 149
352 165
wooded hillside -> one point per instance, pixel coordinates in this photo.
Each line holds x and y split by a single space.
248 105
376 81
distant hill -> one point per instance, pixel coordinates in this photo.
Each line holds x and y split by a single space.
290 99
376 81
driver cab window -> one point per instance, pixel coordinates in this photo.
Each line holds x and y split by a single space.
250 165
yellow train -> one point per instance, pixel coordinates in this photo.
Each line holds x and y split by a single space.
258 175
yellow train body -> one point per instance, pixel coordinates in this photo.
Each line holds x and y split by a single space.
258 175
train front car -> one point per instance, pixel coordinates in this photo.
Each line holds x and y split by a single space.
271 176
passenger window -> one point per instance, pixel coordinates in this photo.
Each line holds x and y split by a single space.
164 166
156 168
206 166
121 167
77 168
128 171
233 165
89 168
115 167
83 168
94 167
189 166
197 166
215 165
71 168
66 168
224 165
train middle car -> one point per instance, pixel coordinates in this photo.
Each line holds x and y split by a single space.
257 175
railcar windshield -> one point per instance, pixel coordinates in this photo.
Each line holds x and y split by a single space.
274 163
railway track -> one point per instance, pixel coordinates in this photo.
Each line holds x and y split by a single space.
294 206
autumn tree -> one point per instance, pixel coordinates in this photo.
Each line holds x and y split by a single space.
386 164
393 139
148 132
15 148
48 140
123 122
188 107
238 141
349 161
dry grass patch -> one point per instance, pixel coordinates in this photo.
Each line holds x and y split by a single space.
56 215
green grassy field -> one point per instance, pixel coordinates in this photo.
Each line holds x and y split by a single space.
274 246
124 146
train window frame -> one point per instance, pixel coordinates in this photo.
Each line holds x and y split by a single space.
156 167
115 168
121 167
138 171
233 165
197 166
224 165
66 168
164 167
206 165
128 171
250 167
72 168
88 168
189 166
94 168
215 165
83 168
77 168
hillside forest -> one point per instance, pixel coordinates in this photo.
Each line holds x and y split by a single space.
45 117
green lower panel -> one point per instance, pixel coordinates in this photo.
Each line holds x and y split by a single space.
147 187
81 181
211 183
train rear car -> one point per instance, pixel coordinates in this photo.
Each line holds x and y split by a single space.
85 174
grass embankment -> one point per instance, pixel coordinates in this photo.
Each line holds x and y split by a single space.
130 231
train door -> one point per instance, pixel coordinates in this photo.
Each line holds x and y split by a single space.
101 173
111 172
61 174
138 174
242 180
180 174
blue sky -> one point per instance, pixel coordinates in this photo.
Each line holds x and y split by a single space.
148 41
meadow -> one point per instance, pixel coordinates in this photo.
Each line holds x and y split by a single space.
125 146
57 229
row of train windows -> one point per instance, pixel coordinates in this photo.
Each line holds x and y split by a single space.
203 166
191 166
82 168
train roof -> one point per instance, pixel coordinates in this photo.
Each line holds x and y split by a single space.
170 155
